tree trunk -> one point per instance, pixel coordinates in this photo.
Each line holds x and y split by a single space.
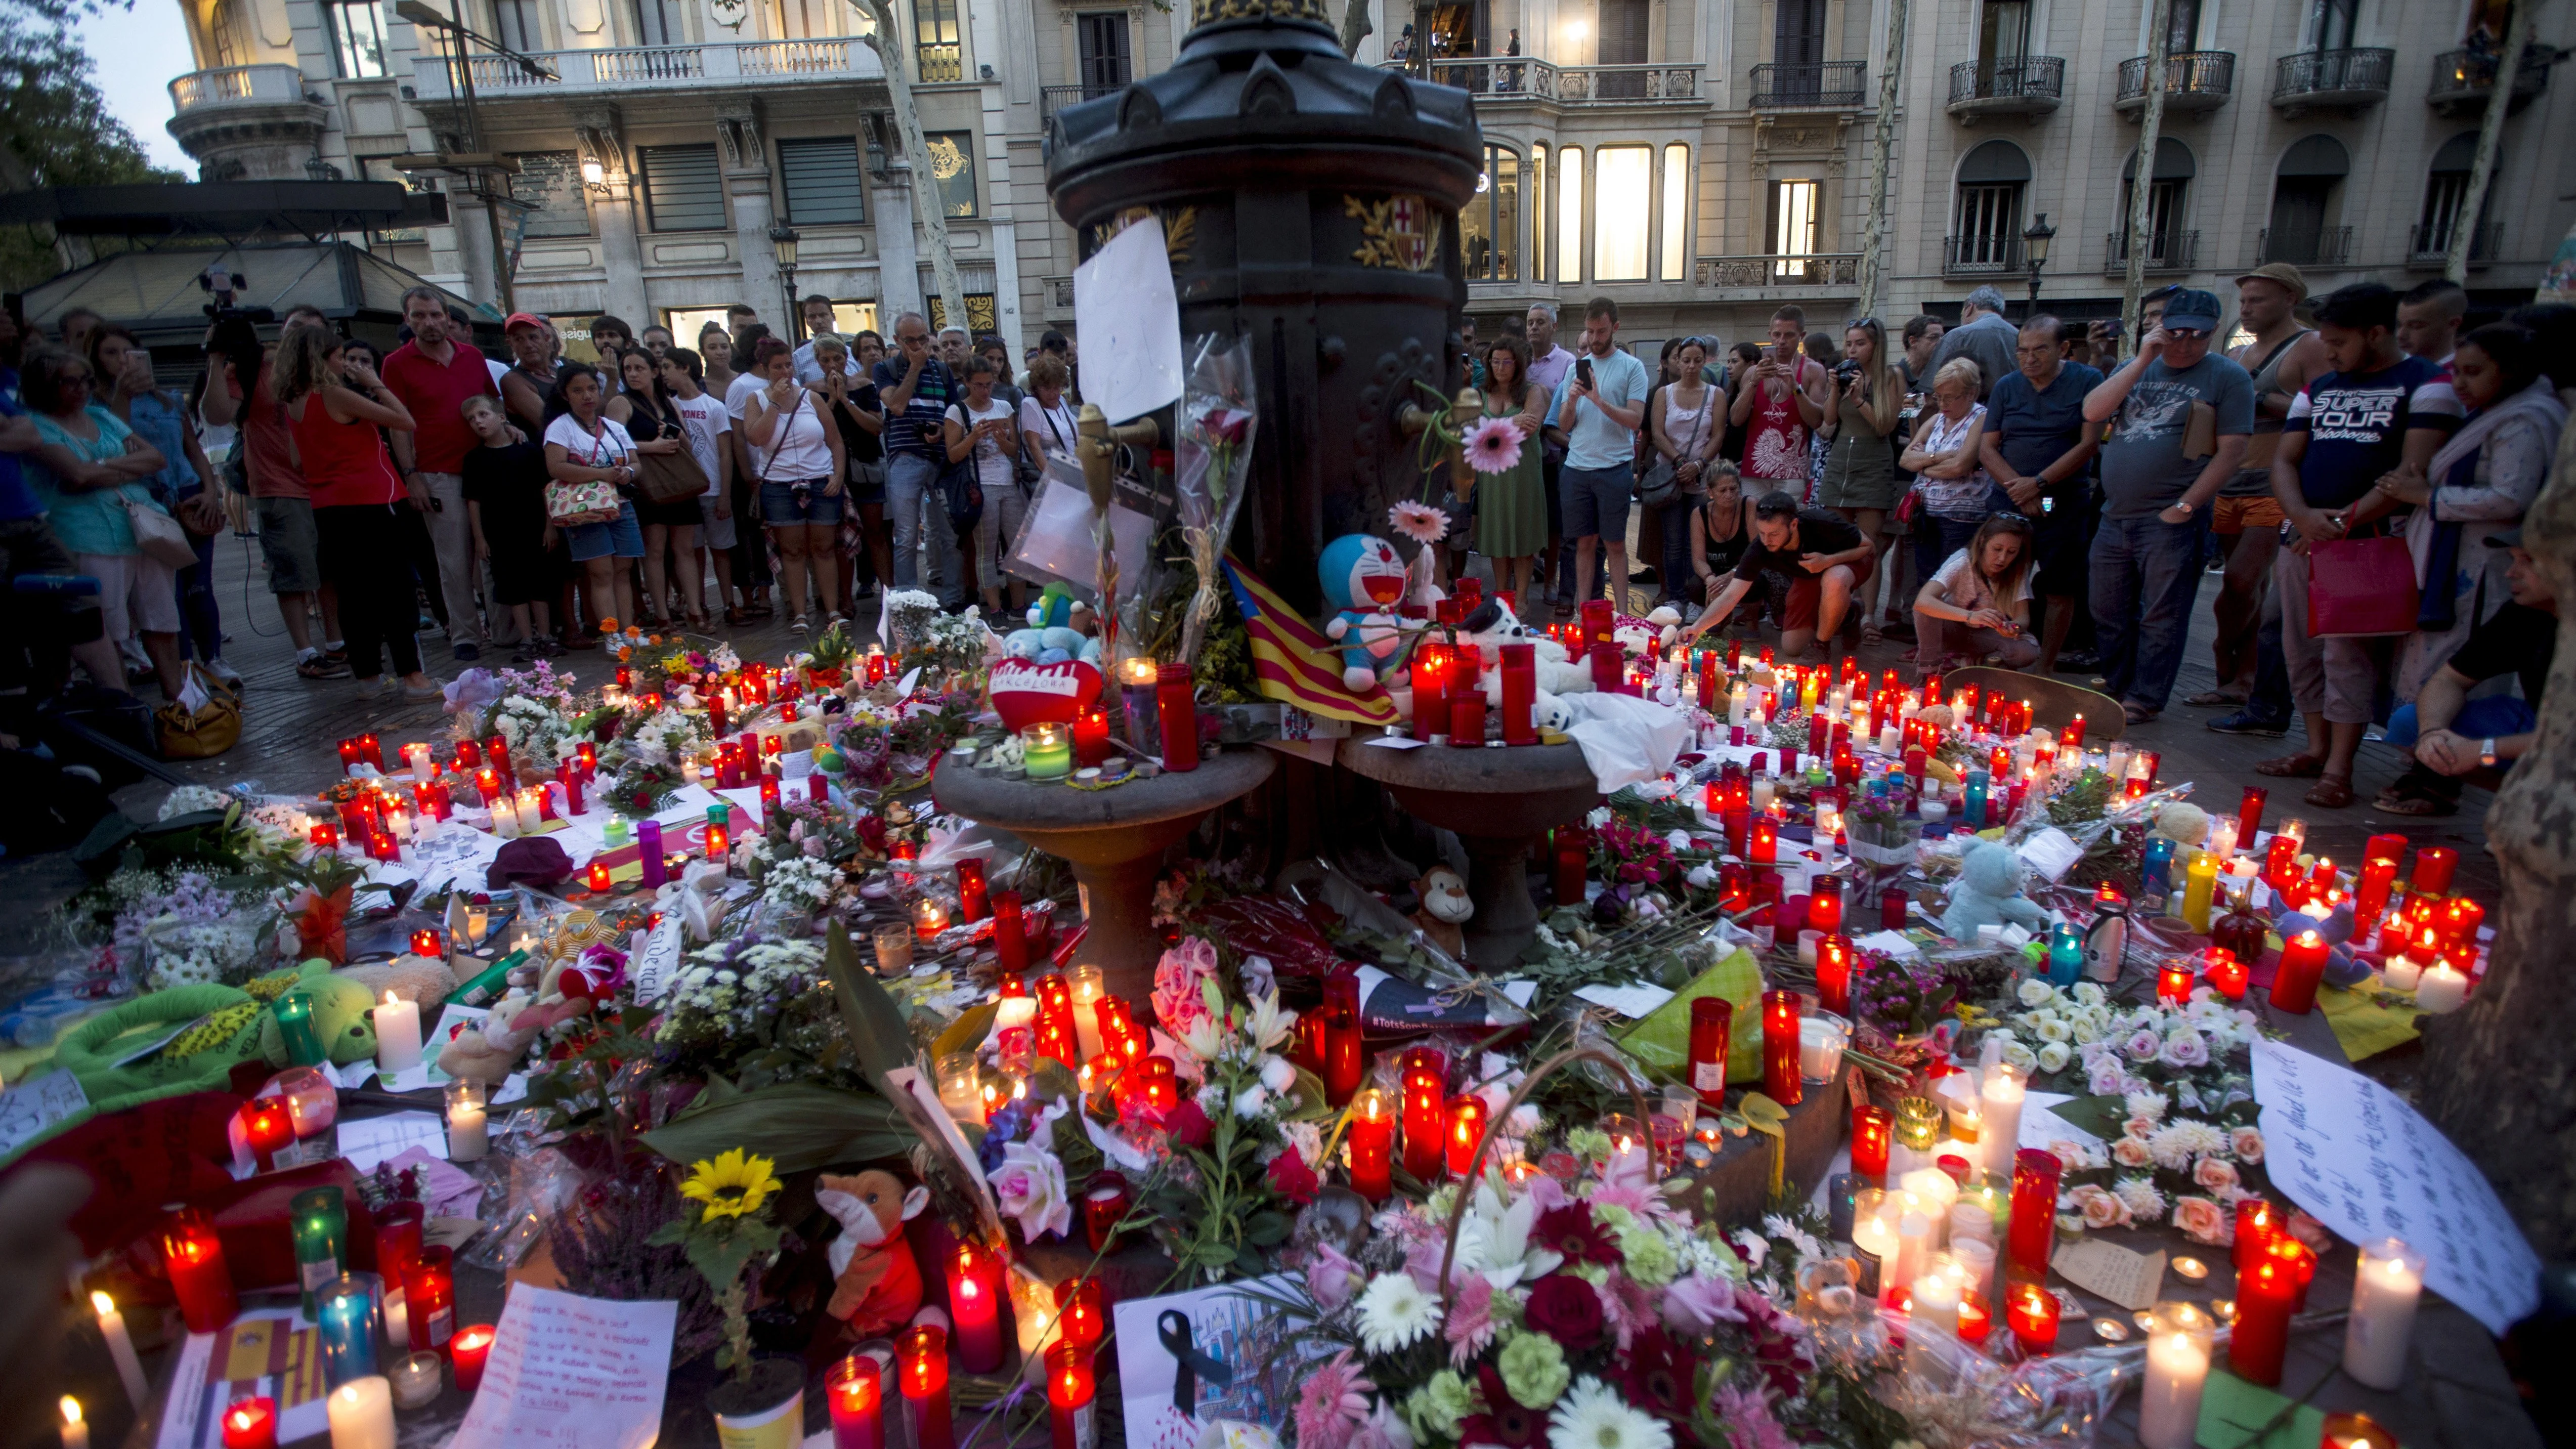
928 210
1890 83
2498 1076
2464 231
2142 188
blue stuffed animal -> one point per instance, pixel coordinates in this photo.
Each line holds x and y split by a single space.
1051 637
1988 893
1364 582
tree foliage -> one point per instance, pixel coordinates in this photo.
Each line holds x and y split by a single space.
55 127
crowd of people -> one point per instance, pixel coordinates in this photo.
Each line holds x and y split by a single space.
2037 496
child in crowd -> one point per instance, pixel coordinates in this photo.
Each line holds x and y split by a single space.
505 493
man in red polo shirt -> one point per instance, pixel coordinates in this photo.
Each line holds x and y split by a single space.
434 374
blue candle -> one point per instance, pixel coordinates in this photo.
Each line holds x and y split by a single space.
347 1314
1975 809
2065 955
2155 876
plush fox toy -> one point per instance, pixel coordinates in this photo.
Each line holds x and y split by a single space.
876 1287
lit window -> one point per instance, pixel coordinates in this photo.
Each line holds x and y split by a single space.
1538 213
1569 216
1793 227
1624 190
1678 192
1489 225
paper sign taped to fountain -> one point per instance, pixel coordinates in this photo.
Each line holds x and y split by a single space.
1056 539
264 1352
2368 1166
1246 1334
1129 320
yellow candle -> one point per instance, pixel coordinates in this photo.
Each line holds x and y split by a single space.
2200 879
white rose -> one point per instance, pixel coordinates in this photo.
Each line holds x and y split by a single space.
2054 1032
2036 992
2020 1056
2053 1057
2089 993
1278 1074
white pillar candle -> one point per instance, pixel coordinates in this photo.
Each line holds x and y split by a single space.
1088 988
532 811
418 756
1891 740
362 1414
1913 1240
1737 706
2442 990
467 1136
75 1427
505 817
1808 944
417 1379
478 923
2178 1354
397 1034
1872 1237
1936 1300
1820 1049
1975 1257
2222 838
2402 972
120 1347
2384 1292
397 1318
2000 1103
1938 1192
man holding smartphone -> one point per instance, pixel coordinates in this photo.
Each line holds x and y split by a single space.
1595 414
1779 406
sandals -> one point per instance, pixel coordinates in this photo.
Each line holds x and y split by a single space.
2138 714
735 618
2215 699
798 625
2291 767
2397 802
2330 792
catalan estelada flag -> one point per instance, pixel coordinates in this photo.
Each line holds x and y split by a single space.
1295 664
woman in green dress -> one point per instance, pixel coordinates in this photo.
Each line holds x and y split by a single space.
1511 506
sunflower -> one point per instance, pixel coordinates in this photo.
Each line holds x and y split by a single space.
734 1185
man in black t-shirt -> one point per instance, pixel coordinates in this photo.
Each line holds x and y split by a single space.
1812 559
2452 734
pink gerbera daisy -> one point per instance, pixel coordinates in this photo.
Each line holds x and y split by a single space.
1419 521
1493 446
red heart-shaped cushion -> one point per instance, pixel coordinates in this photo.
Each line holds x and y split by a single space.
1025 694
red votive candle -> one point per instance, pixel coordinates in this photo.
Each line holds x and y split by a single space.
975 1307
1080 1314
2459 921
1873 1131
1467 717
1766 841
1466 1131
398 1239
2301 1262
1010 933
2033 1312
268 1127
1976 1320
921 1367
429 1298
2262 1332
1712 1025
854 1389
2034 1210
1176 707
2257 1224
1090 736
2228 977
1833 973
2434 866
1104 1207
198 1273
1518 668
467 1351
2173 980
1070 1388
2249 813
1425 1093
251 1423
1372 1147
1342 1044
1780 1080
1825 903
2303 966
974 898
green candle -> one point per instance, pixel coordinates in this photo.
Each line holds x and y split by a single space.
319 1221
295 1024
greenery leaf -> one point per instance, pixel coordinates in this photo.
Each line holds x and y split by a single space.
799 1126
874 1021
967 1032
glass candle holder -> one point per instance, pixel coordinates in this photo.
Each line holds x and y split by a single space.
2033 1313
1780 1077
921 1367
469 1135
194 1254
471 1346
417 1379
1372 1146
349 1319
429 1297
2179 1353
1873 1133
894 949
294 1012
854 1392
961 1087
318 1221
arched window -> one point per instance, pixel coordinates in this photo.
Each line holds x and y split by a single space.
1985 231
1489 225
2169 244
2303 205
2446 192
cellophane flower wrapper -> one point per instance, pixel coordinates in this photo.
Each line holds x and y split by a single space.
1953 1396
1211 459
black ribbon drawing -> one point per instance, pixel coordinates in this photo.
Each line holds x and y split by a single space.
1189 1365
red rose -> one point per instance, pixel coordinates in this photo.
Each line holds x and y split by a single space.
1187 1126
1292 1179
1566 1309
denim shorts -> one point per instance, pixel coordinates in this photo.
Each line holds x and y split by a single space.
622 536
1596 501
778 503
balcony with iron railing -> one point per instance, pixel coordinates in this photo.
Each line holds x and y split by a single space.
2167 251
2320 80
237 85
1982 255
2428 248
1059 290
656 67
938 64
1830 270
2307 247
2021 85
1503 79
1052 99
2195 81
2462 80
1810 85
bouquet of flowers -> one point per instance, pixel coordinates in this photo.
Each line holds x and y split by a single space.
534 713
1900 995
2192 1170
926 638
755 1011
2195 1050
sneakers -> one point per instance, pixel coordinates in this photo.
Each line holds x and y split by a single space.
314 664
2247 722
225 672
465 650
423 693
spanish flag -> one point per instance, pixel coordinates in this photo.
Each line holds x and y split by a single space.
1296 665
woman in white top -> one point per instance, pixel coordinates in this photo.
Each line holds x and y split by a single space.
1978 605
1943 457
982 424
801 494
1046 414
585 445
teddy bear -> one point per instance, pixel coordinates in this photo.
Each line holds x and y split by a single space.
1493 625
1444 909
340 1013
1364 585
424 979
1988 892
876 1286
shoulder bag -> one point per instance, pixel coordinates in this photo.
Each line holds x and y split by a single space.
158 536
671 477
570 505
2361 588
1662 481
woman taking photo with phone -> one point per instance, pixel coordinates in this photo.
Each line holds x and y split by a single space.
1978 604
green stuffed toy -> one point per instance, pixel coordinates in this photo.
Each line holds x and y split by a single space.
189 1038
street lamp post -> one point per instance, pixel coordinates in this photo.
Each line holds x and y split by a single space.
2034 245
782 241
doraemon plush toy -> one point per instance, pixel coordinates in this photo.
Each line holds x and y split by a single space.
1364 583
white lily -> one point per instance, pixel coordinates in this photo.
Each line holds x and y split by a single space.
1270 1025
1495 1240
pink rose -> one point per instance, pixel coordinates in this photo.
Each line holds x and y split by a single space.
1331 1277
2100 1208
2247 1144
1177 1000
2143 1046
2138 1127
2203 1221
2131 1152
2214 1174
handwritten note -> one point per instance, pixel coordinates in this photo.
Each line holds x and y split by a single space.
657 965
2108 1270
32 1108
2368 1166
572 1373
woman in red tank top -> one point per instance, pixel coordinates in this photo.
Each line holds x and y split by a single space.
337 405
